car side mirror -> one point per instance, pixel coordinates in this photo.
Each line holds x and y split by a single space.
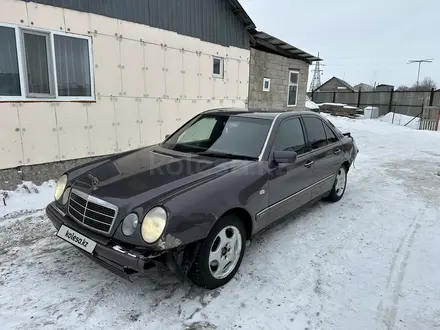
284 157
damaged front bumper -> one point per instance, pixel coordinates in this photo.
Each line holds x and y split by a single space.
118 259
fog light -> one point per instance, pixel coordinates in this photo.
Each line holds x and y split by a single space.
129 224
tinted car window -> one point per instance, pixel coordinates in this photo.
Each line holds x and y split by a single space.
290 137
315 132
331 137
225 134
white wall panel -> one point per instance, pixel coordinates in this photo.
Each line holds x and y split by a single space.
190 75
107 65
73 130
77 22
205 75
11 153
243 89
219 88
173 40
134 31
190 108
149 121
231 78
174 73
43 16
13 11
132 63
102 127
169 117
104 25
152 35
127 123
155 70
39 132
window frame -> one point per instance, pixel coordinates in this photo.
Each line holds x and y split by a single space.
266 80
222 67
331 130
292 84
20 30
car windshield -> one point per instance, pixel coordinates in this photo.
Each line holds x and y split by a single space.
221 135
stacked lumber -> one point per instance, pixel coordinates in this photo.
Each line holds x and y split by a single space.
341 110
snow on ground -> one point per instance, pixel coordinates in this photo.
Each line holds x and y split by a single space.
370 261
27 197
401 120
311 105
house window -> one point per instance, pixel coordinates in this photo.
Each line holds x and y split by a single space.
266 85
217 69
292 94
37 64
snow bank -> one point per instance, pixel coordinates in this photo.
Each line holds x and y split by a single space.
26 197
401 120
311 105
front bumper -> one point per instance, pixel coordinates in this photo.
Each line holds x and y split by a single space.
113 257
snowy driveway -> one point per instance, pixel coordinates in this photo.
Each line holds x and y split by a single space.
370 261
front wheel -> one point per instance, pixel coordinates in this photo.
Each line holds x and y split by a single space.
339 185
220 254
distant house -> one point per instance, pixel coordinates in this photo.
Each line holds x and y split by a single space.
384 88
335 84
363 87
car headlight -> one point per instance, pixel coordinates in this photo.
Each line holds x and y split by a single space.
129 224
154 224
60 187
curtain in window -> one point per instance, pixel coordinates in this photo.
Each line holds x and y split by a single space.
73 66
37 63
9 76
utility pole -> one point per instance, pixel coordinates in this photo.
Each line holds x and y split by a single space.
316 80
429 60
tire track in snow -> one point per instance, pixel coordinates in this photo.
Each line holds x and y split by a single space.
388 306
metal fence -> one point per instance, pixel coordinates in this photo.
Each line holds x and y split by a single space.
408 103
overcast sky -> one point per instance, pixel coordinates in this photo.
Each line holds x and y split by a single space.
360 41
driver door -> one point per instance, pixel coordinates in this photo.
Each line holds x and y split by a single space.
288 183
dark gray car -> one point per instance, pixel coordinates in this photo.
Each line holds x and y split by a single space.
194 200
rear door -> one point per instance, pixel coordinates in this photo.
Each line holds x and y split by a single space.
288 182
326 154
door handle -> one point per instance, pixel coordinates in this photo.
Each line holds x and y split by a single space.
337 151
309 163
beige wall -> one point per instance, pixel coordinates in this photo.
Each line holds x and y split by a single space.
148 82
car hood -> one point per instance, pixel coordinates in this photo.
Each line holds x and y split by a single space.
150 174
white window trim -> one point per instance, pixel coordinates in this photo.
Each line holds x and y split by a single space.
222 67
264 84
291 84
19 30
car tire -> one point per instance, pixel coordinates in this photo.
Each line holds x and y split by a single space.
220 254
339 185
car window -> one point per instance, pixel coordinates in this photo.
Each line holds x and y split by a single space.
200 131
331 137
290 137
315 132
221 133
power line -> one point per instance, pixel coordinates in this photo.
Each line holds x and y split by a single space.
429 60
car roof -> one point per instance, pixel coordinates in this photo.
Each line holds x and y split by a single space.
258 112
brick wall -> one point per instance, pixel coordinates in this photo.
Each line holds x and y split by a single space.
276 68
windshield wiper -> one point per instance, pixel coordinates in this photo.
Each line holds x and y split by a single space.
225 155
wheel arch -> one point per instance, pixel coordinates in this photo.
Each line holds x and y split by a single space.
346 164
244 216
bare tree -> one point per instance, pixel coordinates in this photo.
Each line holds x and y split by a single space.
403 88
425 85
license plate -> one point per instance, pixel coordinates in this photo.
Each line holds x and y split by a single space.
76 239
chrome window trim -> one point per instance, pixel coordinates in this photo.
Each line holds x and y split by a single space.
94 200
286 199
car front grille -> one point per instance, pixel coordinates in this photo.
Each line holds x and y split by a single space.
92 212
